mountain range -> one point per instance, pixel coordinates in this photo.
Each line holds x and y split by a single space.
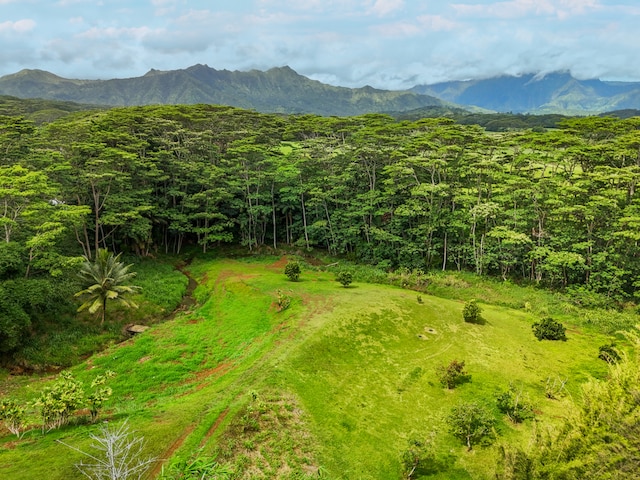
282 90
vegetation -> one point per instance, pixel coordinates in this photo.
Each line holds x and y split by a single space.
344 278
471 423
452 374
292 270
106 279
245 372
472 313
513 405
549 329
117 454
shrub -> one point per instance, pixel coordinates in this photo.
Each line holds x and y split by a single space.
470 423
419 455
472 313
57 402
345 278
549 329
293 270
514 406
283 301
452 374
100 394
609 353
12 415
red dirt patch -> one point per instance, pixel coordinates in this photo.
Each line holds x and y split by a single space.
279 264
171 450
213 428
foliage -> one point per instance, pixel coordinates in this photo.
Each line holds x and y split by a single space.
549 329
99 394
57 402
106 279
117 454
195 468
344 277
598 440
609 353
292 270
472 313
555 387
283 300
513 405
452 375
419 455
471 423
13 416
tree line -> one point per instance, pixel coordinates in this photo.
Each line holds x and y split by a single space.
557 207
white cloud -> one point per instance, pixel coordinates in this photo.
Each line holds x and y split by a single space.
383 8
21 26
523 8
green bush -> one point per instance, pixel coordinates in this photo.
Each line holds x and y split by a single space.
293 270
549 329
345 278
13 416
453 374
609 353
472 313
514 406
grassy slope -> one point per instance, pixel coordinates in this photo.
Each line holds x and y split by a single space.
351 359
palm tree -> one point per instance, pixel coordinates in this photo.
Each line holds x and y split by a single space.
106 278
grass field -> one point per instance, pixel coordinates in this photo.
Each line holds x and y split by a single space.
333 387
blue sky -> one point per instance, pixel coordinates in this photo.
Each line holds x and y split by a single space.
390 44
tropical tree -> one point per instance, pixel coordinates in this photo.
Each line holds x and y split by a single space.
107 279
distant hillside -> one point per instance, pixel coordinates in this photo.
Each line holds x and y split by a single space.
552 93
39 110
278 90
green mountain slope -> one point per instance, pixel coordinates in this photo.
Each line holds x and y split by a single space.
552 93
279 90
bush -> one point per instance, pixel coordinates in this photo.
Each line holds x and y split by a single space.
609 353
452 374
549 329
514 406
13 416
470 423
419 455
283 301
293 270
472 313
345 278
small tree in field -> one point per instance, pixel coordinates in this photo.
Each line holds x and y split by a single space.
12 415
117 455
472 313
470 423
452 374
420 454
293 270
344 278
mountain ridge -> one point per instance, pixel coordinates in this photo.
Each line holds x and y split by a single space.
278 90
283 90
556 92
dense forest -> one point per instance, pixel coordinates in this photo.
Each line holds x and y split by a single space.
558 207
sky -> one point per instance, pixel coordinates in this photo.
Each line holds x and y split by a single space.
390 44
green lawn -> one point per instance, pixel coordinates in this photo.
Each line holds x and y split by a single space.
335 385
